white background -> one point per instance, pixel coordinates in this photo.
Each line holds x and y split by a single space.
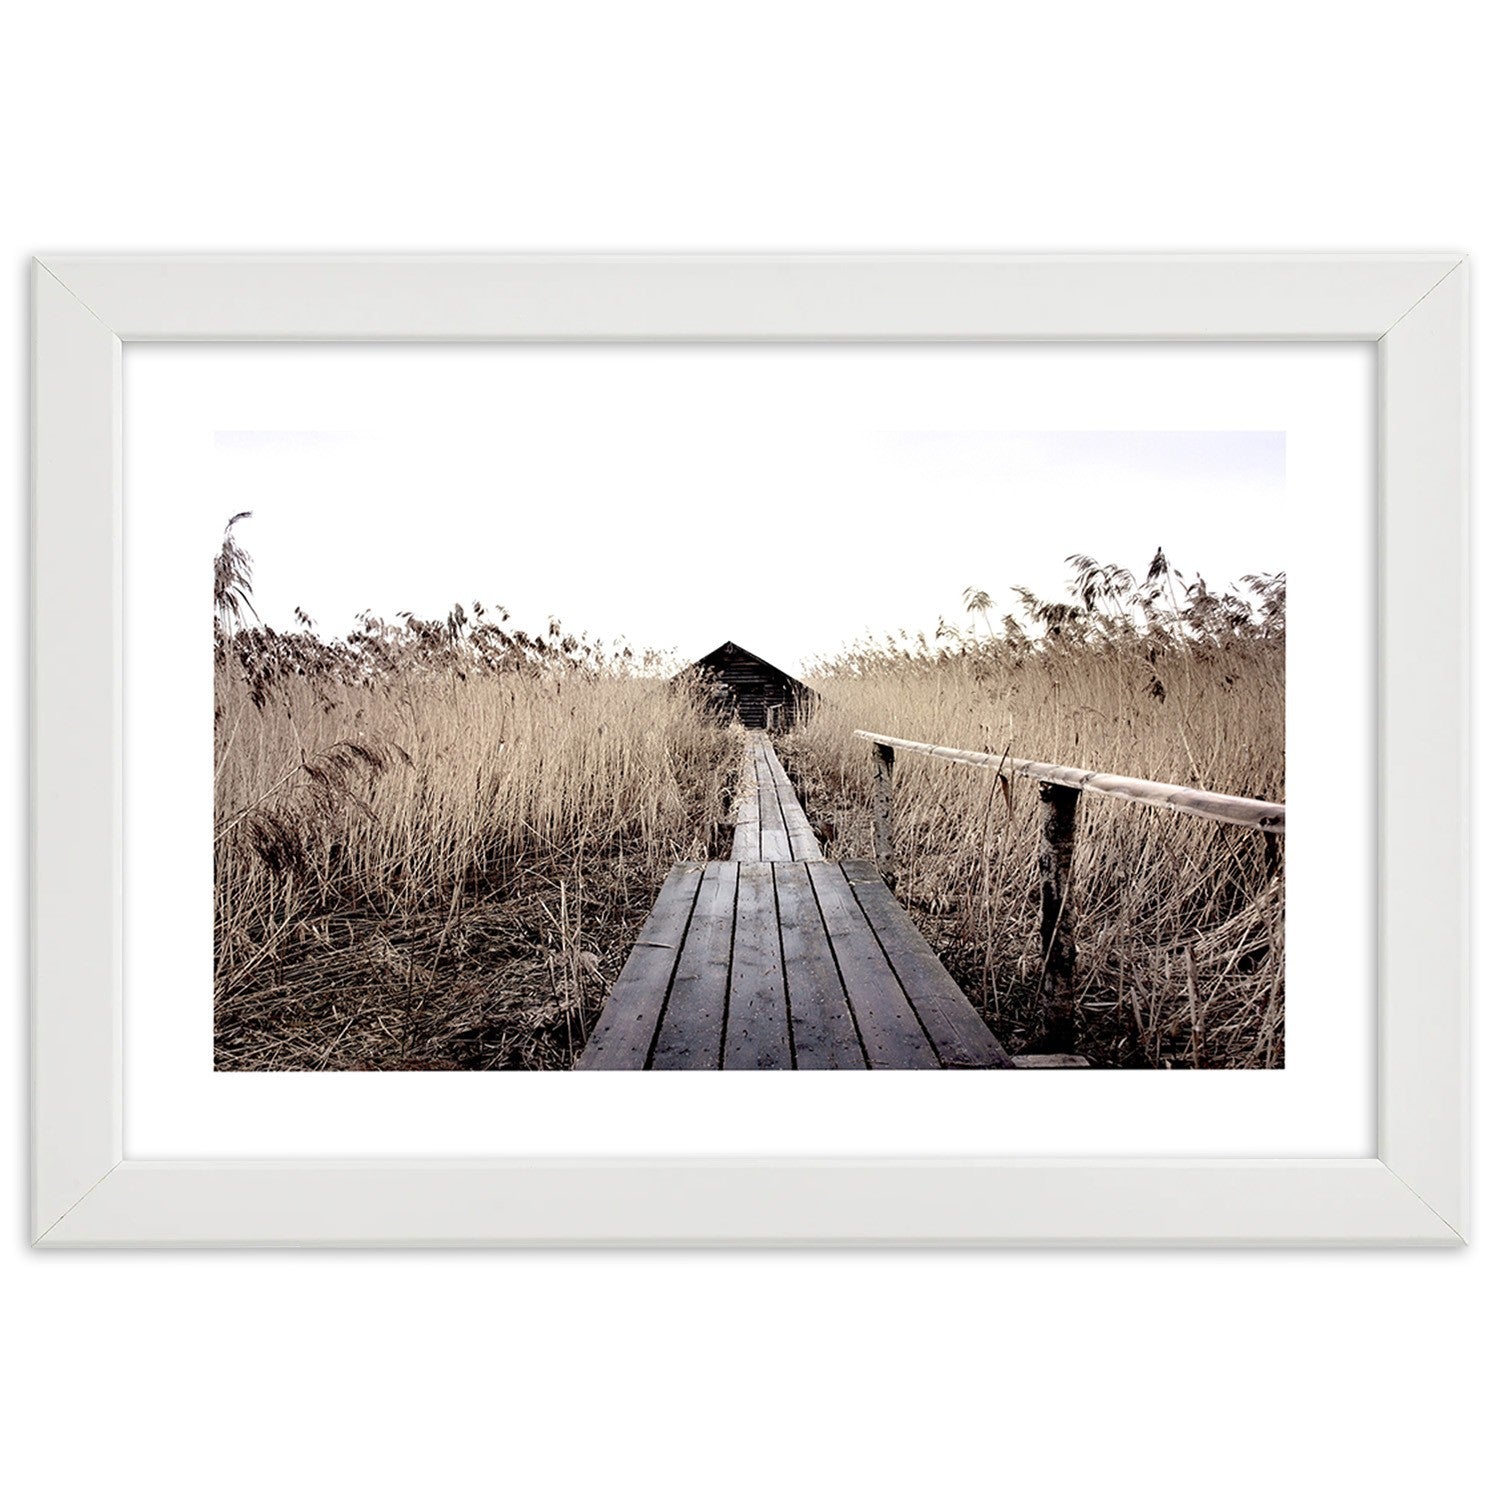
961 126
1320 396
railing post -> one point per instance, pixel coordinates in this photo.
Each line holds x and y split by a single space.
885 854
1059 807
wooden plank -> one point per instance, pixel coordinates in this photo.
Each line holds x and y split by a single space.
956 1030
882 818
770 823
756 1033
747 808
888 1027
1246 812
823 1031
692 1024
800 836
778 774
746 844
1059 952
774 843
622 1035
802 841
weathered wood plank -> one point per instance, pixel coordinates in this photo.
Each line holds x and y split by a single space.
756 1033
692 1024
622 1036
880 806
801 840
747 831
956 1030
774 843
823 1031
804 842
1055 876
800 836
1246 812
770 823
888 1027
747 807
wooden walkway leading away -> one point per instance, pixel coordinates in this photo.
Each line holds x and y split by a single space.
781 959
785 965
769 822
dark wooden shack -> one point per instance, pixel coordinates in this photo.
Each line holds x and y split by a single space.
760 695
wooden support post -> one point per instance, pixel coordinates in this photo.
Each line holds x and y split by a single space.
1059 808
885 854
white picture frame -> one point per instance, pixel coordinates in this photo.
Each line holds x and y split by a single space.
1413 1191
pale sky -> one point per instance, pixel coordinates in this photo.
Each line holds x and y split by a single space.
789 499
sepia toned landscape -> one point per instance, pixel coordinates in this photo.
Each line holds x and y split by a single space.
441 843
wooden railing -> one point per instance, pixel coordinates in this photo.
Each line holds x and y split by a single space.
1060 788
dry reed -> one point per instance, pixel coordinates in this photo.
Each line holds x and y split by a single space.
1179 921
435 841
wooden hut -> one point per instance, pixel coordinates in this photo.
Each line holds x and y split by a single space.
760 695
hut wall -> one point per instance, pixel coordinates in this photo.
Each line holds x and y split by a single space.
761 696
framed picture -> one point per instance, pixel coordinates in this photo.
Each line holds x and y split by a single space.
770 750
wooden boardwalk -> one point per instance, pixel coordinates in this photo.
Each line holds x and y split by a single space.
769 822
779 958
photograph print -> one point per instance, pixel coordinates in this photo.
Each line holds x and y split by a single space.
712 709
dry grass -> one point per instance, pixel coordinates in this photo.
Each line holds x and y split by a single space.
436 840
444 868
1179 921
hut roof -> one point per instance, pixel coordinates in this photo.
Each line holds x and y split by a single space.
759 693
732 649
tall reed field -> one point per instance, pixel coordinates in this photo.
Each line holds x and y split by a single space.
435 841
1179 921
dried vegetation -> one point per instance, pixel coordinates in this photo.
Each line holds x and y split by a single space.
436 840
1179 922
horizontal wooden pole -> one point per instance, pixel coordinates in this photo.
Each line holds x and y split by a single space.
1246 812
